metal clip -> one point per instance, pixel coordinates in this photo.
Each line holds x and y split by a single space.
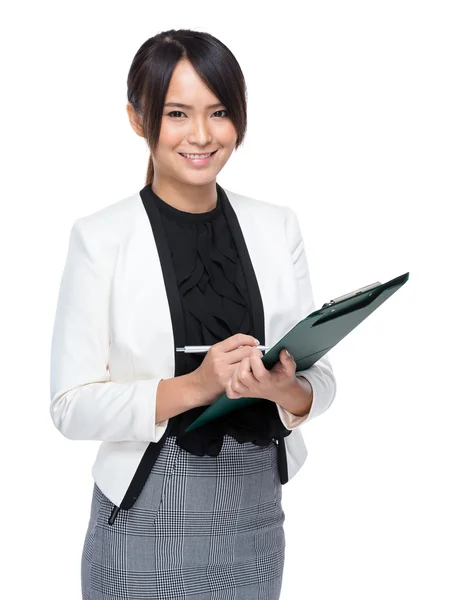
351 294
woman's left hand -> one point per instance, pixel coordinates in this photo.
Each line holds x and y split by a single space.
252 380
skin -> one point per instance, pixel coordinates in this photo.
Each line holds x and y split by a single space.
194 131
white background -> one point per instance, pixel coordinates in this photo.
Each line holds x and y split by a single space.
355 121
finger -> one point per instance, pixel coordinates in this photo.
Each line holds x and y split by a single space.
232 385
257 366
254 376
235 383
285 356
291 360
237 340
244 372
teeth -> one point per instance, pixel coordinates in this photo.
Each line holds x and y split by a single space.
196 155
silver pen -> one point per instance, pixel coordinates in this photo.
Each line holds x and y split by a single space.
199 349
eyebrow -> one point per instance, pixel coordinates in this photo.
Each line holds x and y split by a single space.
189 106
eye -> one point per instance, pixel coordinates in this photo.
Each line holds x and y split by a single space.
175 112
179 112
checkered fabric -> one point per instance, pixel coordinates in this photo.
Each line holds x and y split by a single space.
203 528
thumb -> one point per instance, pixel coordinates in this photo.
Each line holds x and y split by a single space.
285 362
286 355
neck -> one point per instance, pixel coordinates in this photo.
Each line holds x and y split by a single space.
187 197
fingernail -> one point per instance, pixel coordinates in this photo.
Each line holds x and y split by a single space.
257 341
287 353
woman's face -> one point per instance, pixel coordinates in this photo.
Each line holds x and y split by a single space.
198 129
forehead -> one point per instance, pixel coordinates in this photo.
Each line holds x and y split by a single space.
187 87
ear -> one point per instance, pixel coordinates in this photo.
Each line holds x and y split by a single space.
135 120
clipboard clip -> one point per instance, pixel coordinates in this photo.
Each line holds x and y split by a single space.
351 294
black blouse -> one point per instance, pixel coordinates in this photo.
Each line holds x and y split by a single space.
215 304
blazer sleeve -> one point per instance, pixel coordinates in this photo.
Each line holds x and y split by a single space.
85 403
320 375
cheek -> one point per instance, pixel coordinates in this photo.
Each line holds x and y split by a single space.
165 150
229 134
169 139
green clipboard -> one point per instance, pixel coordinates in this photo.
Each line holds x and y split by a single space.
313 337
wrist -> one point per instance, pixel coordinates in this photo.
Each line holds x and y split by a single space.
196 394
291 388
201 393
297 397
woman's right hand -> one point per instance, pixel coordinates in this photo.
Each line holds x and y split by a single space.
218 365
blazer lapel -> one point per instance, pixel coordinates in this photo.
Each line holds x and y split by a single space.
256 306
170 282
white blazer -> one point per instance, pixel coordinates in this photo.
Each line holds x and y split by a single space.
118 322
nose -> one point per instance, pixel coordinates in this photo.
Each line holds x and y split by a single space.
200 133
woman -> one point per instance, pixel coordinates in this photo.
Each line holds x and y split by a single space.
185 262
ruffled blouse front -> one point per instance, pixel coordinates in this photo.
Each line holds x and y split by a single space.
215 304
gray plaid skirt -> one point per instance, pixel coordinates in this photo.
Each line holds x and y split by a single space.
203 528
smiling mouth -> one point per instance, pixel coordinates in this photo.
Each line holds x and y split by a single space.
200 156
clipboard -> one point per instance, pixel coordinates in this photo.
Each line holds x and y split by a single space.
313 337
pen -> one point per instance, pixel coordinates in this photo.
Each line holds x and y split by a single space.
199 349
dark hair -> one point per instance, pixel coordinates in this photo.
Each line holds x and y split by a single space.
152 67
